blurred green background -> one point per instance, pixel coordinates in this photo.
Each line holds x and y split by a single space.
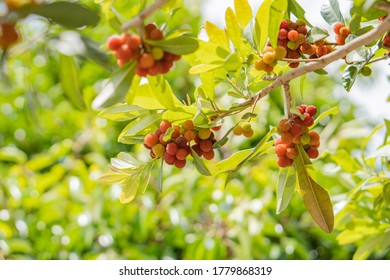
51 156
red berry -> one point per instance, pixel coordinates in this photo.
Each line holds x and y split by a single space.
156 34
172 148
278 141
141 72
280 150
150 140
181 154
314 138
291 153
296 129
188 125
287 138
284 161
134 42
114 43
181 142
206 145
123 53
282 34
308 120
337 26
197 150
302 108
312 152
293 35
209 155
155 69
189 135
284 125
180 163
170 159
311 110
284 24
164 125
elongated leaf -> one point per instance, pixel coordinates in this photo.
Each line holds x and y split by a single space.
142 124
331 12
263 19
121 112
199 164
277 11
315 198
243 12
116 88
376 242
287 181
204 68
332 111
354 25
70 81
64 13
111 178
216 35
297 10
315 34
129 189
12 154
231 162
179 45
144 178
233 29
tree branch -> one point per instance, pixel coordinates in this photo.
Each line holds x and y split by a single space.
360 41
140 18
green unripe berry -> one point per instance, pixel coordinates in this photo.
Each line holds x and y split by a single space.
305 139
159 150
246 126
366 71
157 53
204 133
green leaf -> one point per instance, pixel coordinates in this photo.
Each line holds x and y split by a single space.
346 161
315 198
144 177
233 62
68 14
302 84
277 11
243 12
357 55
331 12
12 154
204 68
233 29
208 85
116 88
287 181
111 178
231 162
332 111
354 25
297 10
93 52
320 72
315 34
70 81
143 123
179 45
199 164
387 123
121 112
216 35
376 242
129 189
263 20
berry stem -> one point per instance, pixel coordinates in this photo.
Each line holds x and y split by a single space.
139 19
287 99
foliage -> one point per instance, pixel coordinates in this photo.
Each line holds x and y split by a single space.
58 128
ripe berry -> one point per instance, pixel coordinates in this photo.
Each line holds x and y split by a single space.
140 71
209 155
172 148
181 142
164 125
293 64
180 163
337 26
291 153
312 152
189 135
134 42
181 154
150 140
206 146
282 34
314 138
269 57
170 159
197 150
114 43
284 24
146 60
311 110
249 133
158 150
284 161
287 138
283 126
280 150
123 53
293 35
345 31
149 28
278 141
156 34
296 130
308 120
155 69
302 30
292 26
204 133
189 125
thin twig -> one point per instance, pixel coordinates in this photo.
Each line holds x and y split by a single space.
270 78
140 18
287 99
365 39
386 56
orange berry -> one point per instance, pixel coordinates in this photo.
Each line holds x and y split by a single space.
188 125
164 125
269 57
134 42
206 145
146 60
287 138
311 110
282 34
114 43
280 150
337 26
156 34
181 154
312 152
209 155
155 69
189 135
180 163
284 125
293 35
149 28
314 138
291 153
249 133
284 161
123 53
172 148
345 31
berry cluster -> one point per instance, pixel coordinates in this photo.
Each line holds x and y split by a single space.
244 128
342 32
269 59
291 36
173 142
8 35
150 60
294 131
